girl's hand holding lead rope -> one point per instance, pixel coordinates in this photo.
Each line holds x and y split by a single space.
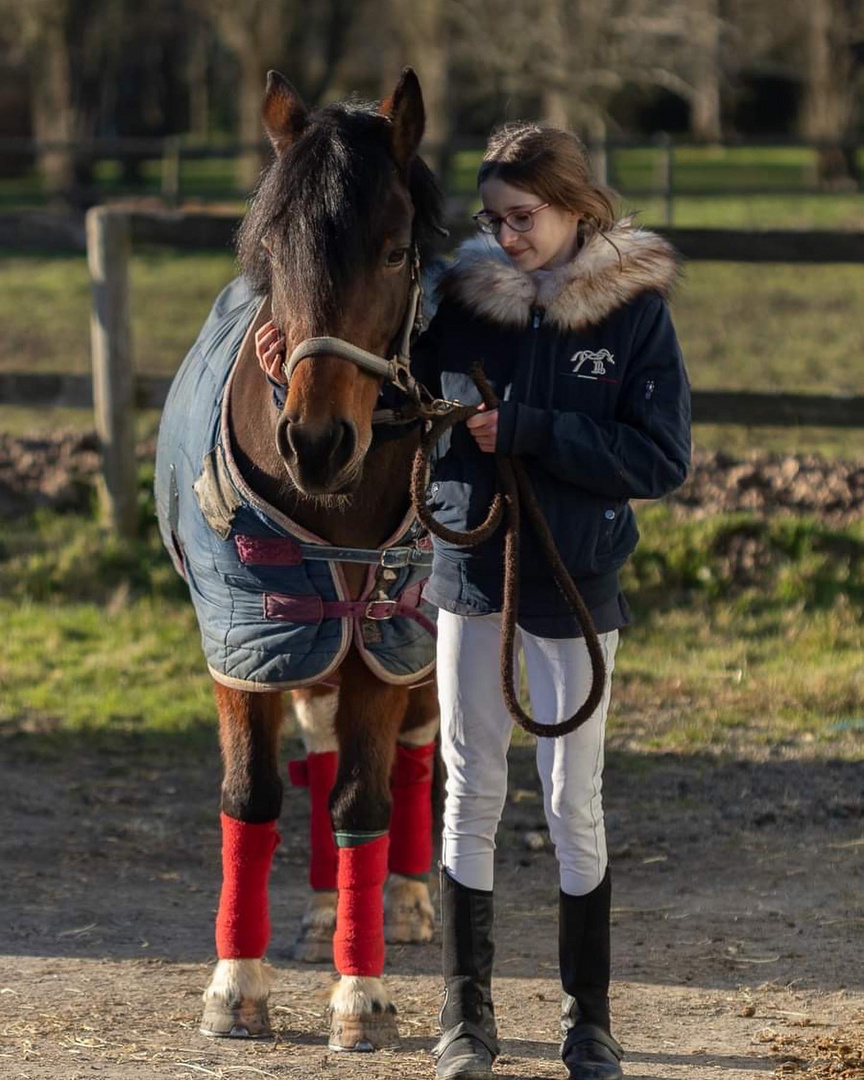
484 427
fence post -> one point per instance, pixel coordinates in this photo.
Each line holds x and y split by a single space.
108 246
171 169
667 165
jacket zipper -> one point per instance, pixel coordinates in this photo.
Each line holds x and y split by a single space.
537 314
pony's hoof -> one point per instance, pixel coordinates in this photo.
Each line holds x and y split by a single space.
362 1016
314 944
246 1019
409 917
308 951
359 1034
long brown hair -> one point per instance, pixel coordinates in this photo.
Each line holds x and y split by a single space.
550 163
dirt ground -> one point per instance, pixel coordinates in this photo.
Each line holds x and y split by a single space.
58 471
738 915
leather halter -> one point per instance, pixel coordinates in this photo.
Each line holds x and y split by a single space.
396 370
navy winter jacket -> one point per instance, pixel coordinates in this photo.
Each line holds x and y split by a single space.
594 398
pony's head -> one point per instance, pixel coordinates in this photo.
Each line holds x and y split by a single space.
331 237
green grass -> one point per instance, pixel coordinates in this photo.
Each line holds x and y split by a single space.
99 633
747 632
742 677
635 173
201 180
772 327
100 637
752 211
135 666
45 308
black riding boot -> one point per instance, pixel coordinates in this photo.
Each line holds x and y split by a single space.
469 1043
587 1046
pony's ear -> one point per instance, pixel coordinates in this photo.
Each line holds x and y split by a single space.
283 112
404 109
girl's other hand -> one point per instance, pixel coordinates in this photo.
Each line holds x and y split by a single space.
484 428
270 350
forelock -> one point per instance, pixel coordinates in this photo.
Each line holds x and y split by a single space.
319 209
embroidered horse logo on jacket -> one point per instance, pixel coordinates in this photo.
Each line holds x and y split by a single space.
587 364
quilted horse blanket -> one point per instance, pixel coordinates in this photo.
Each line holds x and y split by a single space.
271 599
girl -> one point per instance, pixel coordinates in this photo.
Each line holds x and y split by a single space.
564 306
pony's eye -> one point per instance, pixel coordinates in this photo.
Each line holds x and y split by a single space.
397 256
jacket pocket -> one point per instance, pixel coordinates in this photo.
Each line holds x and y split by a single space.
617 536
608 527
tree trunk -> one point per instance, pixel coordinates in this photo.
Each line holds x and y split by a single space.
252 82
705 121
554 103
52 113
254 31
423 37
828 103
198 69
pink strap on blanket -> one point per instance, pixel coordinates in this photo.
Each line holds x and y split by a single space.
312 609
268 551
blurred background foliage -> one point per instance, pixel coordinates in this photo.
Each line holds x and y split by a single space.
708 71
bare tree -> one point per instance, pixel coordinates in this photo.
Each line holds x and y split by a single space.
813 42
574 56
420 38
75 52
707 72
39 33
829 100
305 41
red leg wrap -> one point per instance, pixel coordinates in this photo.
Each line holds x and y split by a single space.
318 772
243 922
358 944
411 816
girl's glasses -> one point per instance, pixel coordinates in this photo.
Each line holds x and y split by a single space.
517 220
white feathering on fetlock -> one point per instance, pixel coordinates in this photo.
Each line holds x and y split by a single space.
360 995
409 916
314 944
240 980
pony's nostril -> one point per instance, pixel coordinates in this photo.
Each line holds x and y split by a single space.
284 443
316 455
345 443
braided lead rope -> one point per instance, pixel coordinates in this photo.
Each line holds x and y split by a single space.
514 488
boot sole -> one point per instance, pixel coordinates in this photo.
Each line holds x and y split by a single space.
466 1074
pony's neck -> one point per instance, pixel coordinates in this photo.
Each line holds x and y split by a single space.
374 510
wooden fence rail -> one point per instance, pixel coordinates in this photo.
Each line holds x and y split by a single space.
115 391
768 409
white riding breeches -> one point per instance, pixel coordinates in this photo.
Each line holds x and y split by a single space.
475 735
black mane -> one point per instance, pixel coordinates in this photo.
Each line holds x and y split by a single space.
319 208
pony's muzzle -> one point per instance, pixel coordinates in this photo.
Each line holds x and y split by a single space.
316 455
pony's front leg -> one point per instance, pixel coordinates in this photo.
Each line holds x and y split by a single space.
363 1016
235 1002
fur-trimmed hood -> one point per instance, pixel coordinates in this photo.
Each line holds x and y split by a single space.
610 270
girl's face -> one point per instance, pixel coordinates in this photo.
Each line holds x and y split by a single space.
553 237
